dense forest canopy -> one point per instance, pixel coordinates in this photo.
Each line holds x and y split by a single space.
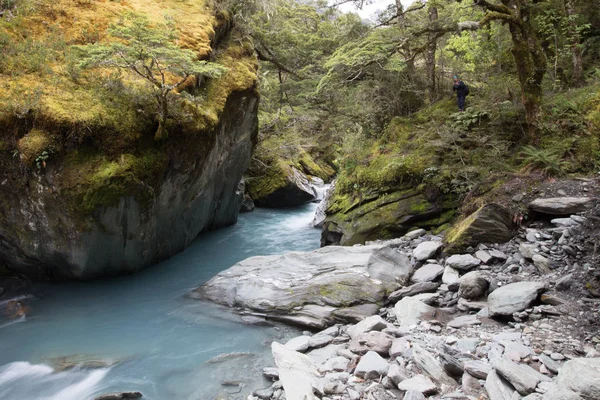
331 78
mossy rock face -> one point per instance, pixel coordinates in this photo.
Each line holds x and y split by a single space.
282 187
492 223
384 216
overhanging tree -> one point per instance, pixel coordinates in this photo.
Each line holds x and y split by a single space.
150 53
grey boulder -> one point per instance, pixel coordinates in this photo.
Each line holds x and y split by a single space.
473 285
578 379
561 205
426 250
463 262
427 273
410 311
314 289
514 297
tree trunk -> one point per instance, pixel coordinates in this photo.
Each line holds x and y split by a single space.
531 67
163 115
575 43
430 58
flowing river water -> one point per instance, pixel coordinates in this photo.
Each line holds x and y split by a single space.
162 343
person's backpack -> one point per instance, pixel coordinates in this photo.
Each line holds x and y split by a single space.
466 90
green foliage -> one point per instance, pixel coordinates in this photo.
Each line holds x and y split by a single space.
547 161
468 119
150 53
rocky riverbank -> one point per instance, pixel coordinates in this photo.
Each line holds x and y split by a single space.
500 321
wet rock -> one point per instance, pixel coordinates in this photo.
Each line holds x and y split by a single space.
410 311
427 273
426 250
119 396
473 285
463 262
371 366
294 190
514 297
264 394
561 205
492 223
418 383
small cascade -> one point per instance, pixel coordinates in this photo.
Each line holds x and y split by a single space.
324 201
25 380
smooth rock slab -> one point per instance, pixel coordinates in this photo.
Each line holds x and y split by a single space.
371 366
561 205
426 250
314 289
427 273
419 383
514 297
524 378
463 262
450 275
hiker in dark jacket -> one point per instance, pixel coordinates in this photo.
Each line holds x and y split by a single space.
461 92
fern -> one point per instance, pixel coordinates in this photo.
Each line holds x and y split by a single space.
547 161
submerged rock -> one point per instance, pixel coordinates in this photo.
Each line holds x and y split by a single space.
120 396
314 289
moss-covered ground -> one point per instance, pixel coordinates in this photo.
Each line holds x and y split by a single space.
96 126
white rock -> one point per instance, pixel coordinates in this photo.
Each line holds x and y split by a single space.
299 343
372 323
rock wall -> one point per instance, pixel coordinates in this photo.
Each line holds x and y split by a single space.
43 238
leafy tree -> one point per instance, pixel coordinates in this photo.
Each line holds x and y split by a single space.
150 53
